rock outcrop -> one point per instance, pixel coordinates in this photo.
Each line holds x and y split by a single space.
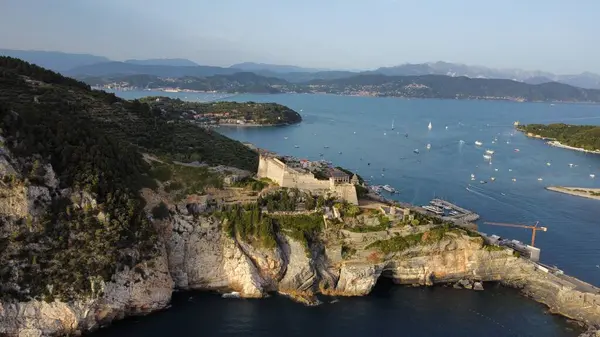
137 291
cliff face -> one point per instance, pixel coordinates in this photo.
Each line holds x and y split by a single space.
197 255
142 290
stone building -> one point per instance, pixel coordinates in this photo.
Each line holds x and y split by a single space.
272 167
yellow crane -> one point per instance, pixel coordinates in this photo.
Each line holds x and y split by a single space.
533 228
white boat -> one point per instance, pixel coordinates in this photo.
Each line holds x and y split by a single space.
592 176
461 141
514 179
570 165
496 170
509 170
428 146
416 151
446 127
517 150
472 176
296 146
540 179
389 188
285 137
233 294
548 164
487 156
429 126
385 134
434 209
489 151
493 178
478 143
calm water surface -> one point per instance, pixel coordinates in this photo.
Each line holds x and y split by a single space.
360 128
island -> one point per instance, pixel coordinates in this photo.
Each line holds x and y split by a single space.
224 113
108 206
585 138
591 193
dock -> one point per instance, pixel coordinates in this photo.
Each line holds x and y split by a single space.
463 217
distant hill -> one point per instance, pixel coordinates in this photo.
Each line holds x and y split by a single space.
275 68
449 87
238 82
584 80
122 68
54 60
176 62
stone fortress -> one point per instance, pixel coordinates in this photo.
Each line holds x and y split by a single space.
298 175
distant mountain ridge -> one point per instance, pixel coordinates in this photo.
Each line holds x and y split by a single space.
175 62
85 65
275 68
54 60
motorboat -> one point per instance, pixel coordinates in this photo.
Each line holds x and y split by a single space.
428 146
517 150
296 146
233 294
592 176
483 182
514 179
416 151
487 156
472 176
489 151
389 188
478 143
429 126
548 164
540 179
493 178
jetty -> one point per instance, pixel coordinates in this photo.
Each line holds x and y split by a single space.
460 216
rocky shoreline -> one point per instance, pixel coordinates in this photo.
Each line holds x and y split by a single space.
197 255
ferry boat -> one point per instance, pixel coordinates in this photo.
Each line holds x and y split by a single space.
478 143
489 151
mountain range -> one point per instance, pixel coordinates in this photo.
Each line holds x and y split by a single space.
85 65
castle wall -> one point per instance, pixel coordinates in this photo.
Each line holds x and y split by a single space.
347 192
277 171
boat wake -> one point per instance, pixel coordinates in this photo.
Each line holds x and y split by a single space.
481 194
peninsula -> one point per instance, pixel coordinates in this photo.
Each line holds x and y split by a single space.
224 113
585 138
108 206
591 193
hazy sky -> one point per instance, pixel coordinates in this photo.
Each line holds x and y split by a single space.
554 35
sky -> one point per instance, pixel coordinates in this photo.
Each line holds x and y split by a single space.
559 36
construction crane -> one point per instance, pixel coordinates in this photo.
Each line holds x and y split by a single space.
533 228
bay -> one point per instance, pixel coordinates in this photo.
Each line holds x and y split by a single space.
361 129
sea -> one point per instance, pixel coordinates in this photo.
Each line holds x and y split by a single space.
378 138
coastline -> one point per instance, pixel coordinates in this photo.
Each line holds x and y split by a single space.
577 191
556 143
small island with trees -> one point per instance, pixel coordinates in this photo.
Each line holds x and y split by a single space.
225 113
585 138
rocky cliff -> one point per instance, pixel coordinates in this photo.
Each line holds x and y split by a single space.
197 255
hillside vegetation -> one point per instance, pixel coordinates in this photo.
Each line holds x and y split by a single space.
256 113
92 222
581 136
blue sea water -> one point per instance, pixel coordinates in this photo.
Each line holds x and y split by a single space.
360 128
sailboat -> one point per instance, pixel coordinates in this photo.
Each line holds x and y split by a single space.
429 126
392 124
